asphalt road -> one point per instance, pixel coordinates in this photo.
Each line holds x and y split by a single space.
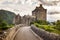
25 33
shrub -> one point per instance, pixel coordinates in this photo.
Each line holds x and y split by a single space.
3 25
42 22
58 25
31 23
50 28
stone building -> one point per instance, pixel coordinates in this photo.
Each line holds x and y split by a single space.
27 19
39 13
17 19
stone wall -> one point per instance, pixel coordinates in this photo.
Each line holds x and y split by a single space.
12 33
44 34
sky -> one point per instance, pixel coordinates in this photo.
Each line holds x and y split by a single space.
25 7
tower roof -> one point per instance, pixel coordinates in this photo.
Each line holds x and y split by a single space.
17 16
40 8
41 5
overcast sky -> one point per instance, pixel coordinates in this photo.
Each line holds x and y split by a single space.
25 7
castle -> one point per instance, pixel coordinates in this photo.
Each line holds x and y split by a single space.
38 14
17 19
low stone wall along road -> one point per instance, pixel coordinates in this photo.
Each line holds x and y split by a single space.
25 33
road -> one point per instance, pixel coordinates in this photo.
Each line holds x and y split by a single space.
25 33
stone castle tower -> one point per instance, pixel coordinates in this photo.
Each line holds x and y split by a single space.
39 13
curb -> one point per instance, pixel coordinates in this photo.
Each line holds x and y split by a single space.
36 35
15 34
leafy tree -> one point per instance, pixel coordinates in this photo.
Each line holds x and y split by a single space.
6 19
53 23
58 24
7 16
3 25
42 22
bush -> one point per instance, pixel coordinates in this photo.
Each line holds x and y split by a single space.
31 23
3 25
50 28
42 22
58 25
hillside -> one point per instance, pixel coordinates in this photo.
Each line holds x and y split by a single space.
7 16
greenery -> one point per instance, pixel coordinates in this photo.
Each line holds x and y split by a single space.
58 25
6 19
55 28
41 22
4 25
7 16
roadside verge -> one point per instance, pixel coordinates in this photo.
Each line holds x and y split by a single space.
44 34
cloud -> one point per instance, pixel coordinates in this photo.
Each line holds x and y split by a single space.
26 6
50 2
7 2
53 17
11 2
19 6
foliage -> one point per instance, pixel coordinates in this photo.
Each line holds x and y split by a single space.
53 23
55 28
6 19
48 28
41 22
7 16
58 25
4 25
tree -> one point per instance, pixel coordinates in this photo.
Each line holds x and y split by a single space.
58 24
42 22
3 25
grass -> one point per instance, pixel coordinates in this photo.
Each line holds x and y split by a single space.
6 27
49 28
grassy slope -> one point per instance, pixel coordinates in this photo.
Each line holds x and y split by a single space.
48 28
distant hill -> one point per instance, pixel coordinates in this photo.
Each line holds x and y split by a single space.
7 16
51 13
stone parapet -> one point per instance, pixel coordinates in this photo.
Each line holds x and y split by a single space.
44 34
12 32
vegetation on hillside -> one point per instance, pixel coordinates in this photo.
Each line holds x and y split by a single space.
54 28
6 19
7 16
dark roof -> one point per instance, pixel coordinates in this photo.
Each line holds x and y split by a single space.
17 16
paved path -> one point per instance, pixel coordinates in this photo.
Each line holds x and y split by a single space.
25 33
